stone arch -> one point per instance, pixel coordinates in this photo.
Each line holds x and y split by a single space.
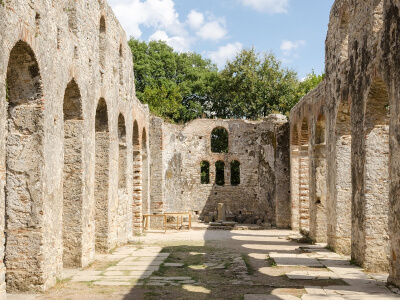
137 178
122 206
122 159
371 230
340 191
24 179
294 177
73 181
102 169
344 34
219 140
304 183
145 174
318 221
102 44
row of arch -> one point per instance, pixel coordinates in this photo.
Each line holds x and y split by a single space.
24 182
220 172
340 193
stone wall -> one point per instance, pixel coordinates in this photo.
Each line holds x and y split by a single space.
59 58
360 122
261 148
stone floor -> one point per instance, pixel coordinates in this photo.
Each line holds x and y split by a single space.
213 264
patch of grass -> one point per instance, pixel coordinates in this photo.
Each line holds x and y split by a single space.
272 262
250 268
151 294
62 281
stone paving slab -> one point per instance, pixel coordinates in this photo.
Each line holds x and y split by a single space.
315 290
133 268
294 260
112 283
311 275
269 297
86 278
140 263
324 297
356 290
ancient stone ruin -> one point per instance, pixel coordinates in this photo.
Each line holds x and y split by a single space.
81 159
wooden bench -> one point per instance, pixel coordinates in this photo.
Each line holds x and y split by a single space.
179 216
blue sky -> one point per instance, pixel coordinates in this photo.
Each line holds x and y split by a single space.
294 30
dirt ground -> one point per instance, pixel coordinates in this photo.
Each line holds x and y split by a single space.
207 264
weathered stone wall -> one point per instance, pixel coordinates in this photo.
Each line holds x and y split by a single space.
362 134
260 147
47 155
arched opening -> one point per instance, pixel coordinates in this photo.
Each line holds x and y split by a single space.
102 168
122 162
205 172
339 230
318 222
73 182
235 172
145 175
220 173
122 178
375 206
102 45
219 140
344 35
304 183
137 178
294 177
24 177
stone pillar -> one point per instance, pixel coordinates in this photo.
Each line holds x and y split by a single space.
294 186
221 212
304 192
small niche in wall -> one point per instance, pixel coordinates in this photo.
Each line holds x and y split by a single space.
205 172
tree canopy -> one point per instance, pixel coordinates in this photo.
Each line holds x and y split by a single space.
181 87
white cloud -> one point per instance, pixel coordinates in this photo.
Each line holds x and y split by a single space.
288 47
269 6
213 30
195 19
160 14
224 53
179 43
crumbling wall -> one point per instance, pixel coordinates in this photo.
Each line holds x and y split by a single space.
361 143
55 176
254 200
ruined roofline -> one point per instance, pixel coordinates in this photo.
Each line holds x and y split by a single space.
307 97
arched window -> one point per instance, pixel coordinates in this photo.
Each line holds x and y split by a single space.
205 172
235 172
220 173
219 140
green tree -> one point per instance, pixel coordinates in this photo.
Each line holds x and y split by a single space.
184 78
254 85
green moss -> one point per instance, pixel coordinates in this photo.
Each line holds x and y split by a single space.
7 89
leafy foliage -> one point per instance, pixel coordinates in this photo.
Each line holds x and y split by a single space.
184 86
205 172
219 140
